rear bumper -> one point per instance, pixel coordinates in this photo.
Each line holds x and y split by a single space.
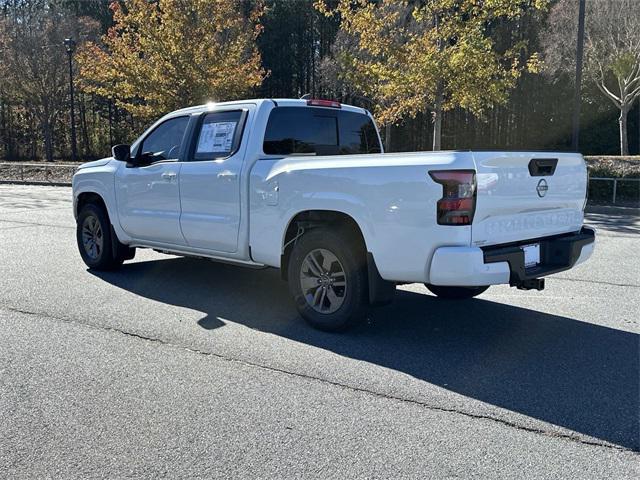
504 264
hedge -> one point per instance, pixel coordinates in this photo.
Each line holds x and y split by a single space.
628 193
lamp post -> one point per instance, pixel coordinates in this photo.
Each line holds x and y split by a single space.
576 98
70 45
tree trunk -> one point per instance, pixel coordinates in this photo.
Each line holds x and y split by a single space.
4 134
624 141
84 129
110 124
48 140
387 137
437 119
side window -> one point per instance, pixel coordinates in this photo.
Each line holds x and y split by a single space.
295 130
219 135
164 142
357 134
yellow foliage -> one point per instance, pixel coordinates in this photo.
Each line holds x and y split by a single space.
404 53
160 56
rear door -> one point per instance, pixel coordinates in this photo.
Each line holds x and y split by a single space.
210 181
523 195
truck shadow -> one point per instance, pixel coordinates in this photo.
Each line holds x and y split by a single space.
615 222
570 373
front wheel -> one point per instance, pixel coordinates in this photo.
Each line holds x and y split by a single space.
328 279
93 233
455 293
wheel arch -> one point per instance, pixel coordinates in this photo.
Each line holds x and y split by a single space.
85 198
118 248
315 218
95 196
380 290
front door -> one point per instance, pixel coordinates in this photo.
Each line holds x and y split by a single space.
210 182
148 194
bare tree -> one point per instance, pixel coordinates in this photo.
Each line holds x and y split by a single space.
33 61
612 50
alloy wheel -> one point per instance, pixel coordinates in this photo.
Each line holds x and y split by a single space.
323 281
92 237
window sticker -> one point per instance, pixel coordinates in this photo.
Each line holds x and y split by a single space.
216 137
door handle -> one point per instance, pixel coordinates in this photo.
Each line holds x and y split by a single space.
542 167
227 175
169 176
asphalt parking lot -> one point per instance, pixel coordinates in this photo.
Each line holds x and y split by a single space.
176 367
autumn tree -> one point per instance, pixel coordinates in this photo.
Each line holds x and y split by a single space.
612 50
433 55
163 55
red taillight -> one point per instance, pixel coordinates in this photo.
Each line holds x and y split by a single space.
315 102
458 202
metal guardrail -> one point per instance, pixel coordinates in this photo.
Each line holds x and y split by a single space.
24 173
615 184
39 164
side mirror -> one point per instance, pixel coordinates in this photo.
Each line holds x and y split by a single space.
121 153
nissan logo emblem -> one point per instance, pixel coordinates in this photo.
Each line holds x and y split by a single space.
542 188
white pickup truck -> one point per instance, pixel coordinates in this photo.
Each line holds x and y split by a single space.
304 186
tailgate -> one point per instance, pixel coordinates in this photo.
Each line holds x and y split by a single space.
523 195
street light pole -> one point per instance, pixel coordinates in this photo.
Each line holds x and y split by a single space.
577 96
70 45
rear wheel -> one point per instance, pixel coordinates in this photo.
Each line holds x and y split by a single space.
328 279
455 293
94 237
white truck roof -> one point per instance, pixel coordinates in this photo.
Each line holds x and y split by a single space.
281 102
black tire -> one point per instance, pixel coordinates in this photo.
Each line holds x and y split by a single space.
93 221
455 293
351 258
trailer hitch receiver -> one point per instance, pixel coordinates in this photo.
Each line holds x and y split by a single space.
531 284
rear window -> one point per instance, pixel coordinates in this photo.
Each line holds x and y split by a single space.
319 131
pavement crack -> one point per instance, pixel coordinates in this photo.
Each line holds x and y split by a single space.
599 282
3 229
36 208
35 224
422 404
